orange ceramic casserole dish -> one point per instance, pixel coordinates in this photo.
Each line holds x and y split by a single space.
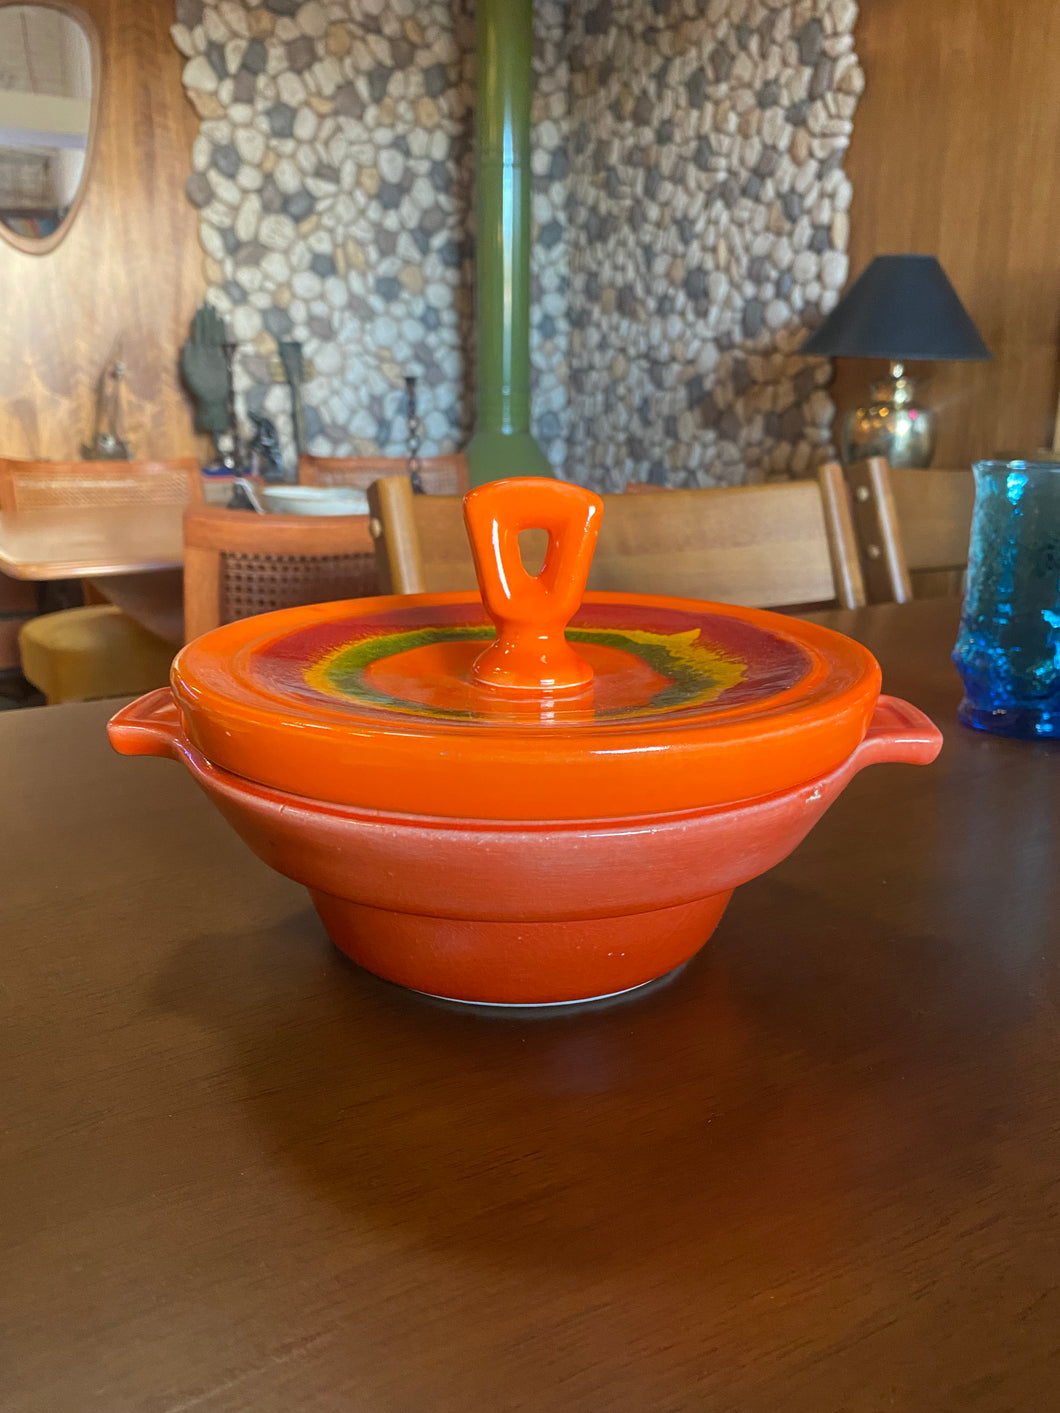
532 741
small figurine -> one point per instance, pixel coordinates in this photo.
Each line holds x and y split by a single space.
109 442
264 453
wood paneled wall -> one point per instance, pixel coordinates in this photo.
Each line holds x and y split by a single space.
956 153
131 264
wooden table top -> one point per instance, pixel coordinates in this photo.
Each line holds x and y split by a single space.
818 1171
72 542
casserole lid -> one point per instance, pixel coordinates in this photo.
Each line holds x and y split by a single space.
533 701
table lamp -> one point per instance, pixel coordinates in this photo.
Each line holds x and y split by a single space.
900 307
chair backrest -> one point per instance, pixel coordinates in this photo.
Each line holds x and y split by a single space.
237 564
38 485
913 528
779 545
438 475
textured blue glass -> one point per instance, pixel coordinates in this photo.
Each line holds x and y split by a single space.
1008 649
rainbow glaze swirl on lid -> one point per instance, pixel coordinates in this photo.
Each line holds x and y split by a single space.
647 666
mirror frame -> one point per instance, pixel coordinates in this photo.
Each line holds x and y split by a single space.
42 245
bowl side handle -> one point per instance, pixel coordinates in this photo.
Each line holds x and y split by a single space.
898 732
149 726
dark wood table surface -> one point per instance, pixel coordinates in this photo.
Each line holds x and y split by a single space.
818 1172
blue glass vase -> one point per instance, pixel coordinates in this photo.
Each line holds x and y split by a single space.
1008 648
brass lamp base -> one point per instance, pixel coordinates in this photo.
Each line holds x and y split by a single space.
891 425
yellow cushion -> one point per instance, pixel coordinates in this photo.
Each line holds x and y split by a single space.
96 651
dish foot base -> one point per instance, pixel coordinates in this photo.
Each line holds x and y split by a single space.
519 963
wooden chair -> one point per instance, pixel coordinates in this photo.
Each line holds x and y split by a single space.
913 529
39 485
438 475
780 545
237 564
96 650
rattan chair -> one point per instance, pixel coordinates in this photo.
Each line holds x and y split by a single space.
40 485
438 475
97 650
237 564
783 545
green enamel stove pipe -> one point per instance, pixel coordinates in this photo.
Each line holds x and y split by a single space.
502 444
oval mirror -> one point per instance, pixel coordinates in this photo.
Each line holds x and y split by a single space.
49 101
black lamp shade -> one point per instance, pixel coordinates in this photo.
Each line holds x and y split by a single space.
900 307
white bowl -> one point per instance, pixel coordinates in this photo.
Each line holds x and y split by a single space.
314 500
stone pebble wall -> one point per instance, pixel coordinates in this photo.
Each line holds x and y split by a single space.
708 233
332 175
689 209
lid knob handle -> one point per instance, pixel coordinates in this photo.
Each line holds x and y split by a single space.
531 652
